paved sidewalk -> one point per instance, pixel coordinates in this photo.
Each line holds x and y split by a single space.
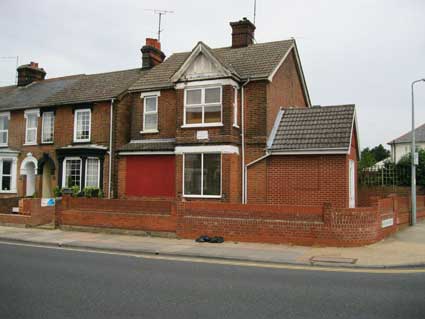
404 249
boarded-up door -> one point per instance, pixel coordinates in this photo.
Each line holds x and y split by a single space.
150 176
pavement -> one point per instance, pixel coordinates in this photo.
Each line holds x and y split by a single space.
405 249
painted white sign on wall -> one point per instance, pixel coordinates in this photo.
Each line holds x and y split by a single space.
387 222
202 135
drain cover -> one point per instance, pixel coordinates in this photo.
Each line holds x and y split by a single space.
332 260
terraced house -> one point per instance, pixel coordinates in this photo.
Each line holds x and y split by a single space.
232 124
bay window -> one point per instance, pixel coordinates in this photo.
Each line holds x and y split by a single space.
202 106
4 128
82 125
7 175
72 172
92 172
202 175
48 127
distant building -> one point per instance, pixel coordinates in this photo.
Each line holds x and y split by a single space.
402 145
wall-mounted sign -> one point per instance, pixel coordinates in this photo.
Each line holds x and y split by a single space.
202 135
45 202
387 222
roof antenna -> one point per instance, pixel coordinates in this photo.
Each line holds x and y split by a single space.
255 10
160 13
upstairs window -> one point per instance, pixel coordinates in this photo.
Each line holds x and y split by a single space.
31 126
82 125
150 114
203 107
235 107
48 126
4 128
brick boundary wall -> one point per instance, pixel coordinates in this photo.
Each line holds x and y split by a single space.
6 204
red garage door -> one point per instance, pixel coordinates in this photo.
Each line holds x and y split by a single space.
150 175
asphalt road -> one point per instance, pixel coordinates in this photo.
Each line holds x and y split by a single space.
50 283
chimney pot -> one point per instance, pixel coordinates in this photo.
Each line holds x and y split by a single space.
151 53
242 33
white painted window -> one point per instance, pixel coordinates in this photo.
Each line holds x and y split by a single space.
150 114
82 125
71 172
92 172
48 127
235 107
4 128
31 125
202 175
7 175
202 106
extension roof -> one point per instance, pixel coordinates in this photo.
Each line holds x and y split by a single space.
313 130
407 138
67 90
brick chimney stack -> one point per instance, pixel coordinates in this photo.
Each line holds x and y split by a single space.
29 73
242 33
151 53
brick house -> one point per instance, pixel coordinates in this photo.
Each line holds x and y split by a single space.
235 124
57 132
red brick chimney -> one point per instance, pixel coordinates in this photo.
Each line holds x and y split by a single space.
151 53
242 33
29 73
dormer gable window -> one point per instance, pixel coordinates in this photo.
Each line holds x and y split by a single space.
203 106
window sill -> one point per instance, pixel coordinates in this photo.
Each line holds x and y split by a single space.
4 145
236 126
81 141
47 143
202 125
30 144
202 196
149 132
8 192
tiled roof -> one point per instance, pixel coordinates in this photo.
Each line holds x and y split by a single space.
254 61
407 138
153 145
68 90
325 128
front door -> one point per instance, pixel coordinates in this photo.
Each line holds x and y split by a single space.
352 184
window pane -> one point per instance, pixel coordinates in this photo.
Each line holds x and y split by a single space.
31 135
4 123
7 167
212 114
92 174
32 121
83 125
5 183
3 137
150 104
193 96
48 126
193 115
212 95
151 121
212 174
192 174
72 173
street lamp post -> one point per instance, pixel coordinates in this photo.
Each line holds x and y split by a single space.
413 155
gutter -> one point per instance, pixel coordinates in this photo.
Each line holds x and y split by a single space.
111 117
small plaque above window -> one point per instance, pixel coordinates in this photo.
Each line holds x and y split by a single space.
202 135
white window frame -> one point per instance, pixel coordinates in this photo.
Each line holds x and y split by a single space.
98 172
202 105
43 118
235 107
202 177
76 112
13 172
5 115
28 113
64 169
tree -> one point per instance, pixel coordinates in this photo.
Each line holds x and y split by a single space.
404 164
367 159
380 153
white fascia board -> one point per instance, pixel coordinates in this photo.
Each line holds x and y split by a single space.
146 153
275 127
224 149
216 82
354 125
152 93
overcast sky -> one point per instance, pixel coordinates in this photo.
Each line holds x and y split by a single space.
364 52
